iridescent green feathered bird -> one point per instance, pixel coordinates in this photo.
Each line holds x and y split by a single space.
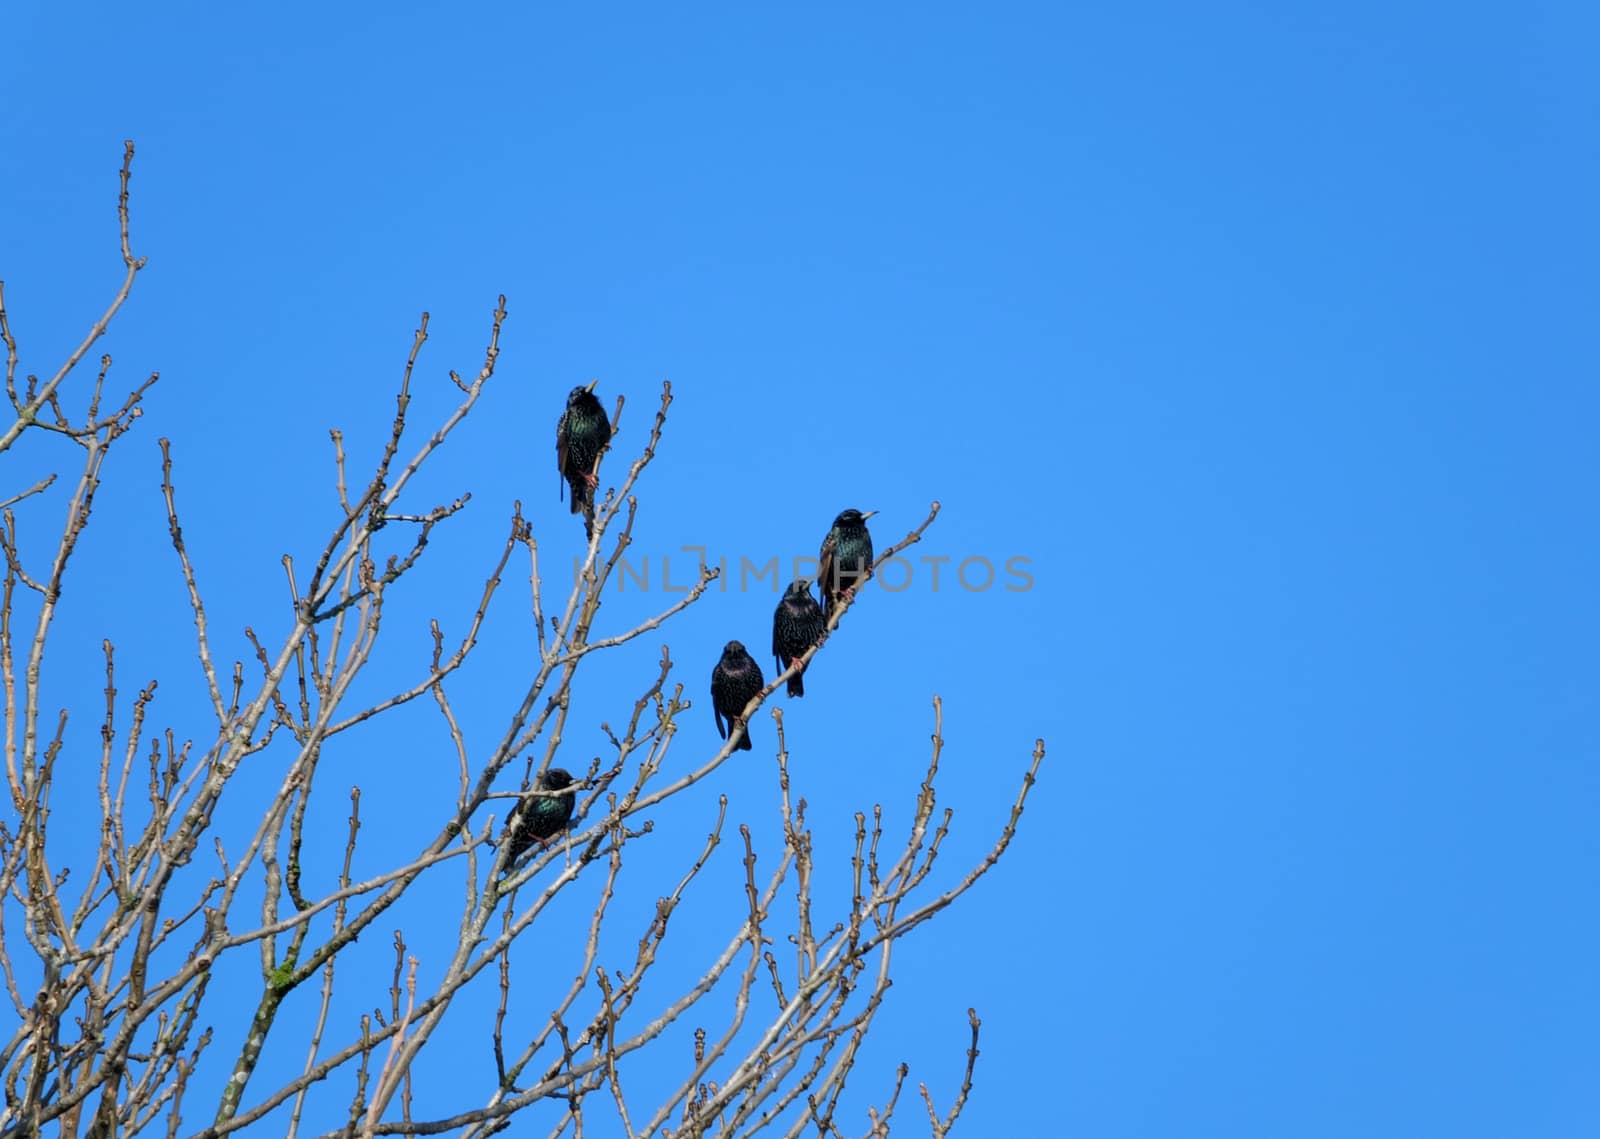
539 818
846 558
582 433
796 626
735 681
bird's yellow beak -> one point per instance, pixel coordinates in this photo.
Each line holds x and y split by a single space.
868 514
590 386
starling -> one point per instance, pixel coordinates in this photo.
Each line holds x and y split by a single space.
734 683
846 557
796 626
538 818
582 433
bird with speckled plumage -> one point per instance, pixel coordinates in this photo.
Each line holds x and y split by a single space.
539 818
846 558
796 626
582 433
735 681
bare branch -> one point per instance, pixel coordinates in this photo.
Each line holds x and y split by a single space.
111 984
27 412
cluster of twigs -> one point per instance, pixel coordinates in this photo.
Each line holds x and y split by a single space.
111 980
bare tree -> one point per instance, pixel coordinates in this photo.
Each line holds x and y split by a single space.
109 950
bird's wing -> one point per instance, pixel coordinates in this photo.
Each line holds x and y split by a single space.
825 566
716 713
811 625
561 454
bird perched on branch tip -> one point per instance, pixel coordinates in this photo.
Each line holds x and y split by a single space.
582 433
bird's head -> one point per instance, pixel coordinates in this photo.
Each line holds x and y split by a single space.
581 392
733 649
555 779
852 517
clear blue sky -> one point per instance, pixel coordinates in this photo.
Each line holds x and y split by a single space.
1265 332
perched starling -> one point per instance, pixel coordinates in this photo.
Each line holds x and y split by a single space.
734 683
538 818
846 557
796 626
582 433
